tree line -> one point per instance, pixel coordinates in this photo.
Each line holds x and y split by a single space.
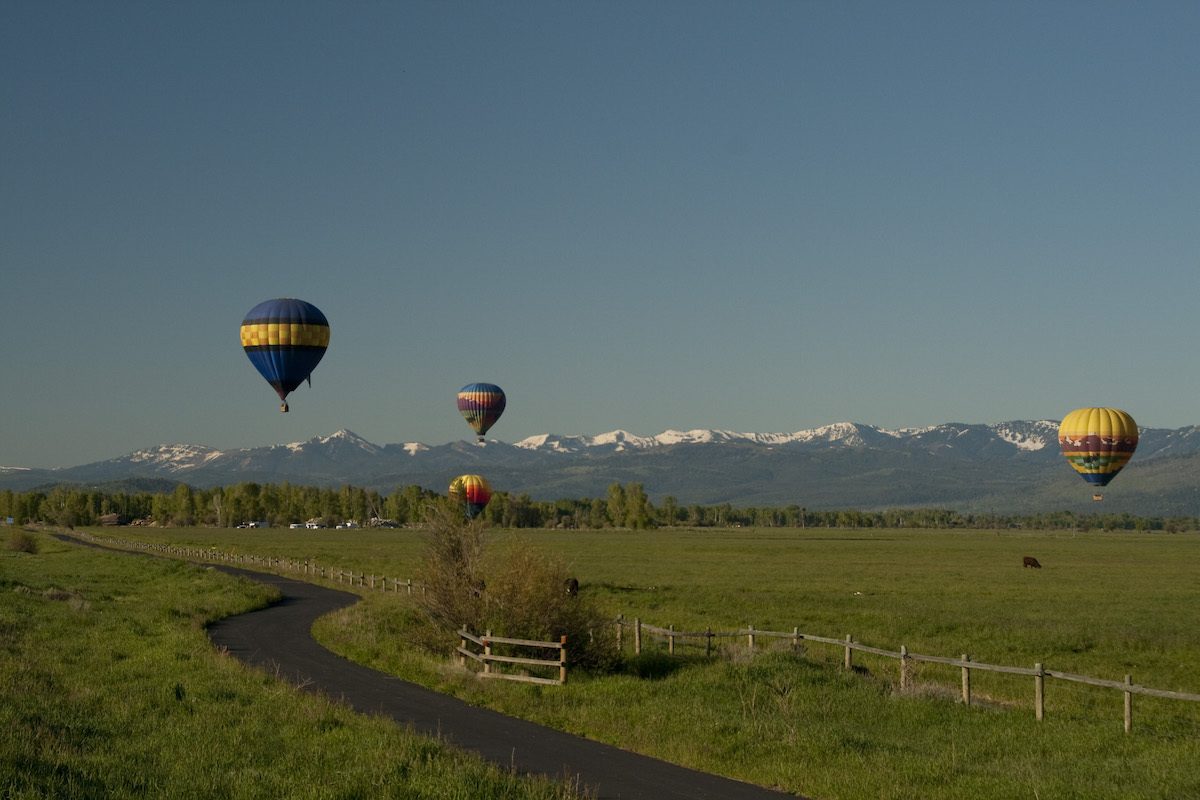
623 506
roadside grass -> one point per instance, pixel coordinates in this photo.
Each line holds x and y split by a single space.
110 688
1103 605
781 719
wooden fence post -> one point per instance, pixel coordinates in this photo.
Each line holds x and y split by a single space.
966 680
848 664
620 630
637 636
708 637
1039 692
903 668
1128 704
671 639
562 659
409 584
750 638
462 660
795 639
487 650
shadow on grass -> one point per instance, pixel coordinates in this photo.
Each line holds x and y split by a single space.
654 666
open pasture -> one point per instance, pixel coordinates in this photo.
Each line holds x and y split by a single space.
110 688
1103 605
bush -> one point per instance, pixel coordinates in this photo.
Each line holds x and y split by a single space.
526 598
22 542
518 592
453 570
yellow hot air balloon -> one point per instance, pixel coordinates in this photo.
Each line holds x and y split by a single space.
1098 443
471 491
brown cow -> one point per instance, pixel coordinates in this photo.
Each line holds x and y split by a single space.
1030 561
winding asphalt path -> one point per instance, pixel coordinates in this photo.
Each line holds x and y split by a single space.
278 638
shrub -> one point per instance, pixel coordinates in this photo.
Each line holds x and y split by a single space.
453 570
518 592
22 542
526 598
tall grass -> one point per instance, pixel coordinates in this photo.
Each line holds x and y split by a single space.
109 687
1104 605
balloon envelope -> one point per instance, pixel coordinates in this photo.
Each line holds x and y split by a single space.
1098 442
285 340
481 404
471 490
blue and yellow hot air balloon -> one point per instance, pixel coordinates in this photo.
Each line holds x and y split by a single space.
1098 443
285 340
472 491
481 404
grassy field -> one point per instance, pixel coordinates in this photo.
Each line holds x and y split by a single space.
1103 605
110 688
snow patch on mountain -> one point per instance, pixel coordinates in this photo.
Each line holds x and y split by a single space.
1026 436
340 437
1030 437
174 457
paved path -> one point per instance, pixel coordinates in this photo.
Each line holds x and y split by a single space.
278 639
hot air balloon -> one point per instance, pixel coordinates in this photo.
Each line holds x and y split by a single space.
1098 443
285 340
481 404
472 491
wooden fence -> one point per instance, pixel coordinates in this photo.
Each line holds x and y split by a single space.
1038 672
310 569
365 580
488 658
906 659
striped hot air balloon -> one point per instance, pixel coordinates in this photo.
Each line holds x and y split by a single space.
1098 443
472 491
481 404
285 340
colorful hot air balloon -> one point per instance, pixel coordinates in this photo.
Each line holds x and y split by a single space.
472 491
481 404
285 340
1098 443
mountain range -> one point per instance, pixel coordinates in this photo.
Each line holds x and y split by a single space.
1009 467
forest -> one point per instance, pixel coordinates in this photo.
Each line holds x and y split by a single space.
624 506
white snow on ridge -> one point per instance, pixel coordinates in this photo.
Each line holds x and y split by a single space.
343 435
1045 432
846 432
176 457
1031 436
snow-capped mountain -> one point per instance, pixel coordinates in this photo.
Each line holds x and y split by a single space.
1002 466
1022 435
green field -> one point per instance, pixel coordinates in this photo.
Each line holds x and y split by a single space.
1104 605
111 689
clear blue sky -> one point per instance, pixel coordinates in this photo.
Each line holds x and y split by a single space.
759 216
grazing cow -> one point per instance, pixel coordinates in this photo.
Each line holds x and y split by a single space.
1030 561
572 586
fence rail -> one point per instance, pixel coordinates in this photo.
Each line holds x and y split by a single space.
1038 672
487 658
397 585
